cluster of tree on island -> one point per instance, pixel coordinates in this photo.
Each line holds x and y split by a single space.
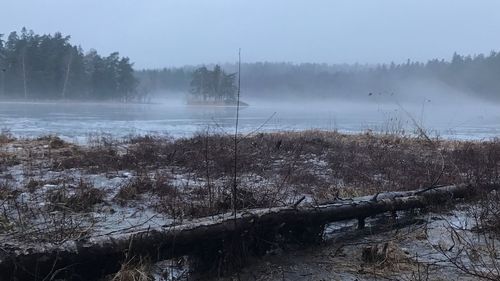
47 66
477 75
213 85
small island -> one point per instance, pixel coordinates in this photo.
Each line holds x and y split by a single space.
213 87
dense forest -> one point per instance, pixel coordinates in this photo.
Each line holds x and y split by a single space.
477 75
49 67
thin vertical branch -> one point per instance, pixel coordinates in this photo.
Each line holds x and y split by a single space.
235 176
24 74
68 67
2 71
207 166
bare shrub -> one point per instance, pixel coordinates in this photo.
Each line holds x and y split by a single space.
278 168
162 185
478 162
149 151
82 197
134 188
377 253
54 142
475 247
6 136
8 159
133 271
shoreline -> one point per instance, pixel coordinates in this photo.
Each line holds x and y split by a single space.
70 101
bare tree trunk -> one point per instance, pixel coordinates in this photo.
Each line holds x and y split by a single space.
98 255
24 74
3 81
66 78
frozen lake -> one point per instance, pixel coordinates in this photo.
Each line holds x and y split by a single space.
76 121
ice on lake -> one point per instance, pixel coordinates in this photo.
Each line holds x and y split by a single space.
76 121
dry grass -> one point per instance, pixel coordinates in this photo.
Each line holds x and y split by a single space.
192 177
134 188
6 136
133 271
79 198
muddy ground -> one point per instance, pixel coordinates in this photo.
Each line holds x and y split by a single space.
411 254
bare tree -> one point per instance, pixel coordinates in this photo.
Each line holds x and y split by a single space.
66 78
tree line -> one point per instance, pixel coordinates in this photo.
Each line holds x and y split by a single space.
47 66
477 75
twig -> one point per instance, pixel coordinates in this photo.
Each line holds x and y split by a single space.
298 202
421 131
258 128
428 189
235 178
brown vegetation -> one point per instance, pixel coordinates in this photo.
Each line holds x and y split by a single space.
276 169
192 177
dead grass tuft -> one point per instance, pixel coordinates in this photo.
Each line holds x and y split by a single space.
133 271
134 188
6 136
79 198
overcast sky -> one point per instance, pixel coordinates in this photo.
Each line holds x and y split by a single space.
157 33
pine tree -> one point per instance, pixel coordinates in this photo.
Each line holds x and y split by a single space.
213 84
48 66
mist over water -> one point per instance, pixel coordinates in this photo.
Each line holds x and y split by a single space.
444 116
330 65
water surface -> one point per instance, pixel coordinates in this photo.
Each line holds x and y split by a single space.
76 121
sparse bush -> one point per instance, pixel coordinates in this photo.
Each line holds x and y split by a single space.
56 142
134 188
80 198
324 165
32 185
133 271
476 238
7 191
6 136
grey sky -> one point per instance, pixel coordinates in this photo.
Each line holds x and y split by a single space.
156 33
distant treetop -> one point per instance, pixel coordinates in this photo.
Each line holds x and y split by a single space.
49 67
477 75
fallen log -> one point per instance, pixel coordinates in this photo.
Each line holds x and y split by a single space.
92 257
